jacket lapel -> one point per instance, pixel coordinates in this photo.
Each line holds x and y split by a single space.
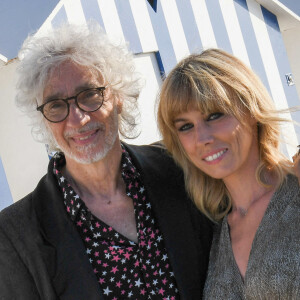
172 208
73 276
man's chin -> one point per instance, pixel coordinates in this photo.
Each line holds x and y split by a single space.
87 158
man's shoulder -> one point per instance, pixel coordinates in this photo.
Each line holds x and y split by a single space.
18 215
155 151
21 212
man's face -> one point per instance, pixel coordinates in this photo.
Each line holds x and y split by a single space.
85 137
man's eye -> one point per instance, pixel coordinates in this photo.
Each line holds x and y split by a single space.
185 127
56 105
214 116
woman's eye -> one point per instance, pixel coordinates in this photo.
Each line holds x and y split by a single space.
214 116
185 127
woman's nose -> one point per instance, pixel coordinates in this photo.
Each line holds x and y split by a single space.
204 134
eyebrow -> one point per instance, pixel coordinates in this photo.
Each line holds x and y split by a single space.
77 90
179 120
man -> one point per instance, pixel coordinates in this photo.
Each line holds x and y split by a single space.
109 220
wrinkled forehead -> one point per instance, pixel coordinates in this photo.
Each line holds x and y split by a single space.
68 78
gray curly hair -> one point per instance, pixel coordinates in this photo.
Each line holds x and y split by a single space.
86 45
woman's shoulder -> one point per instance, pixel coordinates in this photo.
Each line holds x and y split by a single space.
290 186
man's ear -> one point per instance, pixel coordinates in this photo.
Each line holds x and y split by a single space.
119 105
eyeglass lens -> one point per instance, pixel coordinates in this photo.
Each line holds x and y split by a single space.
88 101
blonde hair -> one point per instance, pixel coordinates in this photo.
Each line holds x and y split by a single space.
215 81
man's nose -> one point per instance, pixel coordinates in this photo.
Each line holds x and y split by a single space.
76 115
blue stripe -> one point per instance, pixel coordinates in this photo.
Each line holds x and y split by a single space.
160 65
281 57
128 25
5 194
189 25
250 41
60 17
153 3
218 24
162 35
91 11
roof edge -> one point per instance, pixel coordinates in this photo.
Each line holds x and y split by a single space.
286 17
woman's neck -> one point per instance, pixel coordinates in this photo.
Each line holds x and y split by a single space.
246 191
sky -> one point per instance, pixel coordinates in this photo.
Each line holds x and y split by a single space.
293 5
18 18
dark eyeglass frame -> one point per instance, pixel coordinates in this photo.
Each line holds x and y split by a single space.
66 100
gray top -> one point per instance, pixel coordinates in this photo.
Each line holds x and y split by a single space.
273 270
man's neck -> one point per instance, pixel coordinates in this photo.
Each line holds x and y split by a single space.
101 179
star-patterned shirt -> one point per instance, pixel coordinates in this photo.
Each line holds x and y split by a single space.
124 269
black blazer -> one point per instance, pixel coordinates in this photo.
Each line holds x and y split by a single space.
42 255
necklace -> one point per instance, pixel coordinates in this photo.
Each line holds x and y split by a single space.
244 211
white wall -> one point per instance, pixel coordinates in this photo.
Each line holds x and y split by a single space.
24 160
146 65
291 39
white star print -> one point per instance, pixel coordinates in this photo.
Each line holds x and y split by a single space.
138 283
159 238
107 291
142 189
160 272
62 178
155 282
165 256
130 294
96 235
88 251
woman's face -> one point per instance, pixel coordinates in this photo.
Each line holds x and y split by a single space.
218 144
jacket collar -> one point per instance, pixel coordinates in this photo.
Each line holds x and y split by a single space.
72 274
172 208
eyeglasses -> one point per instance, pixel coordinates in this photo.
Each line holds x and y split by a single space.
88 100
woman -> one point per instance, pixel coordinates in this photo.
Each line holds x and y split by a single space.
220 125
